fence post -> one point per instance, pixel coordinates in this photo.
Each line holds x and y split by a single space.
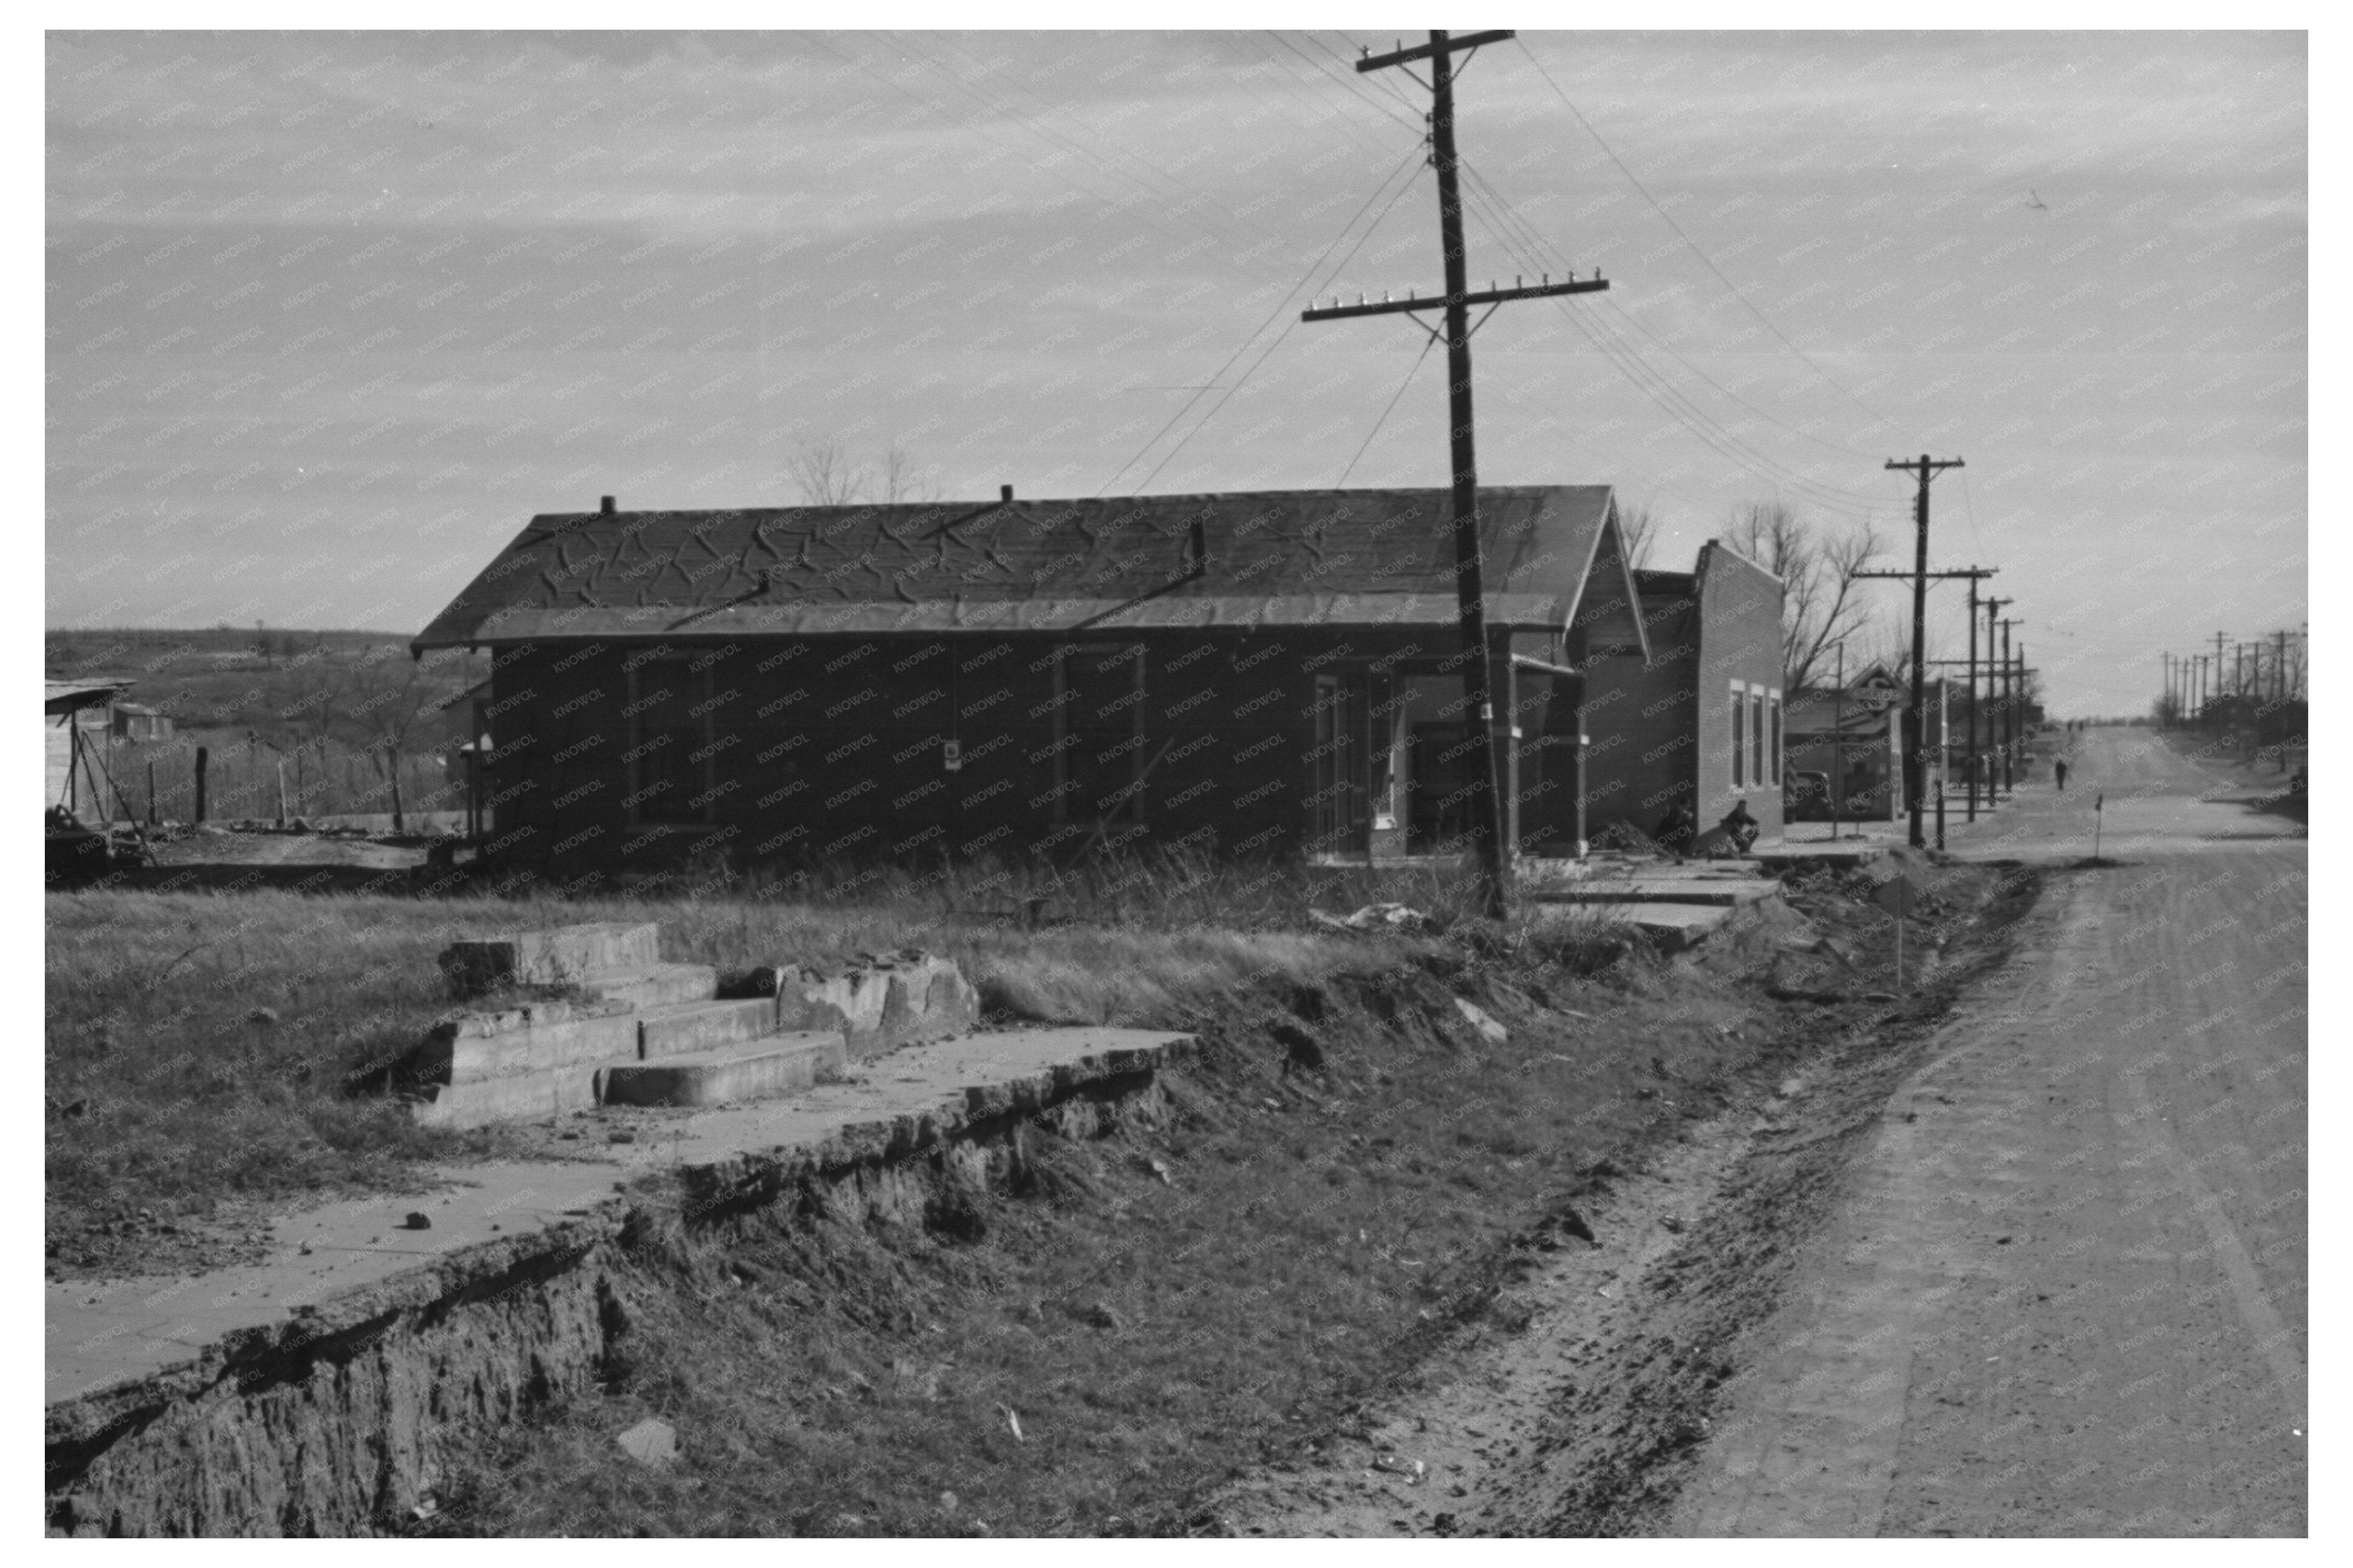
151 792
393 756
281 791
203 756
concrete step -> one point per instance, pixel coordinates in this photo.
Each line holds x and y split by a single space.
515 1094
562 956
537 1036
663 986
779 1064
688 1027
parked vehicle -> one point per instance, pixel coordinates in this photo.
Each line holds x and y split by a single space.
1804 797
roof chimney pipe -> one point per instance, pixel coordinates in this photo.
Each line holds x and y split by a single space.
605 505
1004 493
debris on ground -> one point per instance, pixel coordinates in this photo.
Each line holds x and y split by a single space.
1376 917
653 1442
1494 1033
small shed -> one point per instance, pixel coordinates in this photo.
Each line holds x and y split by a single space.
78 736
136 723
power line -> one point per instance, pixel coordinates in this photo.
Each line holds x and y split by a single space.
1535 237
1879 420
1403 164
1686 412
1428 344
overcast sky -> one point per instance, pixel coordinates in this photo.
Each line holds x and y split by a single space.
329 316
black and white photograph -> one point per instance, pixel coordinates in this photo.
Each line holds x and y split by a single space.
1042 773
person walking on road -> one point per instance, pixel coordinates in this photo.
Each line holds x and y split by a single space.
2059 770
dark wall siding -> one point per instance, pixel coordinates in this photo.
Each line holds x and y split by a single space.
1740 620
818 748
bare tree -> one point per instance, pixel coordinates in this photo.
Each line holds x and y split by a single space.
900 479
1638 525
1818 570
825 473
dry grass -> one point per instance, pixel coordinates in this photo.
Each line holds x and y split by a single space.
200 1047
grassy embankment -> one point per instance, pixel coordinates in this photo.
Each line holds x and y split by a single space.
200 1047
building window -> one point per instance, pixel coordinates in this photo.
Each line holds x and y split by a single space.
1739 734
1775 701
669 741
1756 736
1099 733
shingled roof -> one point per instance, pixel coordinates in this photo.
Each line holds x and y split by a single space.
1242 558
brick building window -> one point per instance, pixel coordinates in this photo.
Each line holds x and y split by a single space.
1756 736
1739 734
1774 701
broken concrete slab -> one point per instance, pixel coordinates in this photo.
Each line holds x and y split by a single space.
560 955
663 986
879 1004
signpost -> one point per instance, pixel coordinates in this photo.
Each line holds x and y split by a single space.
1896 897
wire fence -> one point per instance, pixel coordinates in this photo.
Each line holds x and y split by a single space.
156 781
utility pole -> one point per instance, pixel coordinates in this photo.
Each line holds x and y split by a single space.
1993 716
1487 807
1925 468
2009 711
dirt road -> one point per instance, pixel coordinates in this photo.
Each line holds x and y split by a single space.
2032 1265
2062 1291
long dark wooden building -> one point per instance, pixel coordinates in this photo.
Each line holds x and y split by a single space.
1257 674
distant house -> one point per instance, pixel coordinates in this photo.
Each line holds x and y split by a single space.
1249 673
1854 739
138 723
1697 719
78 736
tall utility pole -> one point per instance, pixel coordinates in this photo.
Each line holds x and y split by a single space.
2009 710
1925 468
1487 814
1993 718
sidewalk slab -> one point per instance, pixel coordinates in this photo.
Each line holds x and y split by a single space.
99 1333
